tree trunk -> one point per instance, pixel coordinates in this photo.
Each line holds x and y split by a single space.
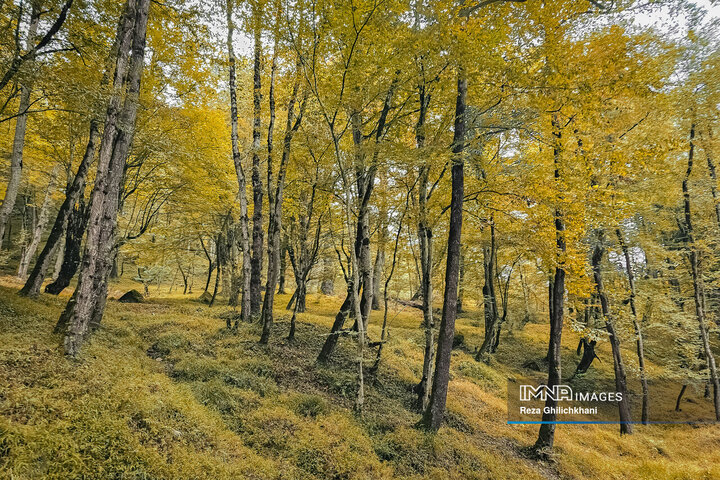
379 262
240 173
16 157
435 411
327 286
257 229
637 328
283 266
301 296
698 288
426 265
40 225
76 224
362 238
218 274
335 331
233 257
275 217
619 367
34 282
546 436
384 330
588 355
59 258
91 293
489 296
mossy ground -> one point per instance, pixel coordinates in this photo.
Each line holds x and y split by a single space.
162 390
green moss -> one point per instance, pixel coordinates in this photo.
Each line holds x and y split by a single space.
310 405
482 374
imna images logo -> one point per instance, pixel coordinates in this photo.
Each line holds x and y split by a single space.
543 393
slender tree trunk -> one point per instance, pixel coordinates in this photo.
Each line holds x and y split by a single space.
90 296
362 239
59 258
218 274
40 225
16 157
489 296
257 229
233 262
237 159
283 266
365 180
618 365
275 217
329 345
34 282
435 411
76 224
327 286
679 398
293 319
379 262
698 287
384 331
638 329
546 436
426 263
211 265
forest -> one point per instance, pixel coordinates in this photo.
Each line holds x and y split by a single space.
295 239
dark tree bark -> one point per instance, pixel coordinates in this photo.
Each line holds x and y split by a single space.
275 203
435 410
638 329
698 287
211 264
618 365
426 263
679 398
87 305
588 355
489 296
37 276
256 261
365 184
546 436
76 224
283 266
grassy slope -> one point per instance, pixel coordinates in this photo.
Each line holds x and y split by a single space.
162 391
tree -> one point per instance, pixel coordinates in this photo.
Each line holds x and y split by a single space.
87 304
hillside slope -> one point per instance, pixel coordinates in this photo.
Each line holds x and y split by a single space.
164 391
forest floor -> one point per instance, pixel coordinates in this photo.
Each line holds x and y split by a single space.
163 390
